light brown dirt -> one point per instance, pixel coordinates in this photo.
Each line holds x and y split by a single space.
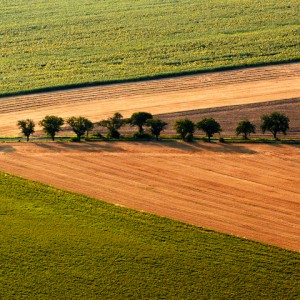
179 94
249 190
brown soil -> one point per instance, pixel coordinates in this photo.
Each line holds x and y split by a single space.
221 89
229 116
250 190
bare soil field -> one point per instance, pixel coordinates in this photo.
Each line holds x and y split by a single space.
248 190
229 116
217 89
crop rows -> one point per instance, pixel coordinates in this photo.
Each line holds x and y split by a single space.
115 91
51 44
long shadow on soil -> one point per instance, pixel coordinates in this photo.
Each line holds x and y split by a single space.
84 147
178 145
212 147
6 148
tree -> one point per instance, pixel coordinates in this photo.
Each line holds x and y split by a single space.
27 127
51 125
156 126
210 126
80 125
185 128
245 127
113 125
139 119
275 122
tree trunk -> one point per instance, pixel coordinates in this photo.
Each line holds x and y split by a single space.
209 138
27 136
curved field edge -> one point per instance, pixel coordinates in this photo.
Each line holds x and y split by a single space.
62 43
60 244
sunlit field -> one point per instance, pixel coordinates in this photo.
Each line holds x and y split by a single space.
57 43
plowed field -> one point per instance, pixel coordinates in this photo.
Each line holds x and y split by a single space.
251 190
229 116
179 94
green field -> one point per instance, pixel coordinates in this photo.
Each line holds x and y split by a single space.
59 245
68 42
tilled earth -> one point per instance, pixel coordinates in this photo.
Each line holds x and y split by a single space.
248 190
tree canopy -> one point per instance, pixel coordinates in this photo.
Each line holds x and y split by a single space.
27 127
80 125
156 126
245 127
185 128
51 125
275 122
210 126
113 125
139 119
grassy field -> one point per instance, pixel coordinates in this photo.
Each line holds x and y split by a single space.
57 245
67 42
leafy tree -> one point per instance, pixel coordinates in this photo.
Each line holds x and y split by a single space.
27 127
80 125
156 126
245 127
275 122
185 127
139 119
210 126
113 125
51 125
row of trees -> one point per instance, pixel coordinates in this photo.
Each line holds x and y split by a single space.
82 126
275 122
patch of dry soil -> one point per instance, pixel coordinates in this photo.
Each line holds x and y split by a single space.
248 190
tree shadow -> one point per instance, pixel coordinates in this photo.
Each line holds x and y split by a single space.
80 146
295 145
5 148
206 146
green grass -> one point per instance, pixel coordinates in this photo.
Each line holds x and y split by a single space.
60 245
55 43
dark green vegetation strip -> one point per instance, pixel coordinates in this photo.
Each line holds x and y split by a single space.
46 44
61 245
